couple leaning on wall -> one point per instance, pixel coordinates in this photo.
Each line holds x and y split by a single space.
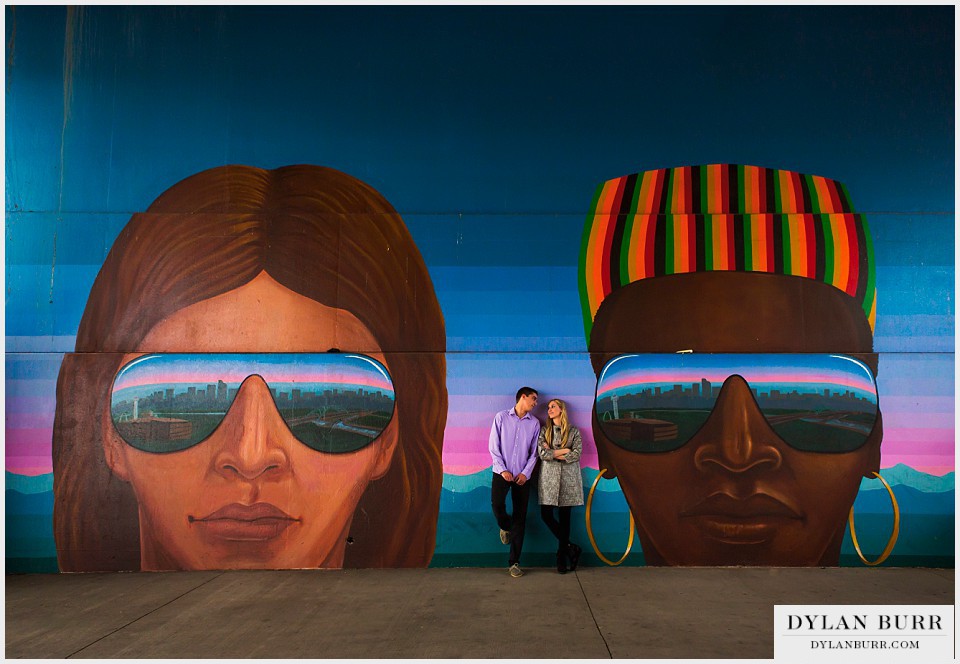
517 442
259 379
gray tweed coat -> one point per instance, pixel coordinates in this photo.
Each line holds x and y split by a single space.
560 480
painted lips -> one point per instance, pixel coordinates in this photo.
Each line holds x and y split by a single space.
245 523
751 520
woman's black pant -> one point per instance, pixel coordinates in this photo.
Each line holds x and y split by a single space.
560 529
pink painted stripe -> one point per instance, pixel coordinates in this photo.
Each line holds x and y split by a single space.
31 471
461 466
918 433
916 461
937 426
467 469
35 437
480 459
718 376
930 464
30 465
181 379
928 441
16 449
465 436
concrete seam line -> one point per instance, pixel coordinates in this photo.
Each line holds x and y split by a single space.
590 609
187 592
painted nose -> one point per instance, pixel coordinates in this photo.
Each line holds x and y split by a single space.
736 437
253 435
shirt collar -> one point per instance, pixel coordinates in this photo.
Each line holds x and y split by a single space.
513 411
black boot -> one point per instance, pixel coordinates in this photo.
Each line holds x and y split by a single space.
561 562
574 552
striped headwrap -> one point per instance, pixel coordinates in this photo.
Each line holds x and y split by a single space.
723 217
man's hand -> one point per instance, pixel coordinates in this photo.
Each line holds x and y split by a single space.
561 453
521 479
507 475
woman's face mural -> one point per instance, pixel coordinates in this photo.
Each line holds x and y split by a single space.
241 395
736 493
771 266
250 494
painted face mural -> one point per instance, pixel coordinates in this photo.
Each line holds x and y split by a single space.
750 449
241 392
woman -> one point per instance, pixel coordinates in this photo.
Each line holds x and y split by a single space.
297 260
774 267
561 485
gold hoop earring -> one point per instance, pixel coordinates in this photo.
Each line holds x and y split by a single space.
593 542
893 537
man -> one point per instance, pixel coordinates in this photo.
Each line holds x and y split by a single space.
513 447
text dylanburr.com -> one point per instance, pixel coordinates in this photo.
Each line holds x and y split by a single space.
864 633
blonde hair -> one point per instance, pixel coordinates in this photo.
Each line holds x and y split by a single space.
564 424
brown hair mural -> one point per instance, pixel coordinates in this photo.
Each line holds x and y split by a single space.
300 259
728 259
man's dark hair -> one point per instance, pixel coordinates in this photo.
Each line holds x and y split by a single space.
525 392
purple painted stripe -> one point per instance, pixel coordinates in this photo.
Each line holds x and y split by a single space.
490 403
31 420
910 419
32 387
24 404
915 404
483 386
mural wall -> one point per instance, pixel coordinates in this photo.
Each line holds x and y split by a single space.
271 273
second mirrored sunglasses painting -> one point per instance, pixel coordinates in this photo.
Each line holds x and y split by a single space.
813 402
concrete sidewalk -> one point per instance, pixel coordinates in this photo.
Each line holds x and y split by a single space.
480 613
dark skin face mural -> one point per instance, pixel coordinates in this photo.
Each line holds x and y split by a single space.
759 464
736 493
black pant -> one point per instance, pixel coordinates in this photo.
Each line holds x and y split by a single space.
517 523
561 529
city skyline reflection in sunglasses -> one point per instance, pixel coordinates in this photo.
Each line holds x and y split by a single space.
331 402
813 402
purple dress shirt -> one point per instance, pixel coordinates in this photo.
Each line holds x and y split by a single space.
513 442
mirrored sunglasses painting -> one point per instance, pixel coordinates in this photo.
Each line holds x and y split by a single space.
815 403
331 402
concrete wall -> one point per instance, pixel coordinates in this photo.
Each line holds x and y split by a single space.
489 131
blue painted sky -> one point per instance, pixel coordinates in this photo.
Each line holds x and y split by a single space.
479 109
